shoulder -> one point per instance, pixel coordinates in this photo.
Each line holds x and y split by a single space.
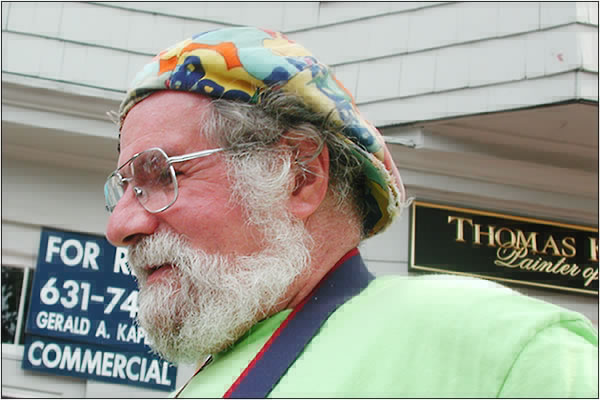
468 325
461 304
462 323
455 302
434 336
446 296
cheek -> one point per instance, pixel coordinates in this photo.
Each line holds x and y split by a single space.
213 223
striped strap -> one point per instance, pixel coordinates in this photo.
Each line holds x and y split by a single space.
344 281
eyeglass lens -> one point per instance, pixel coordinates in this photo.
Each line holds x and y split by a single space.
153 181
113 191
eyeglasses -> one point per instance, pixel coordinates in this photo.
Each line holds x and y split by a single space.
153 178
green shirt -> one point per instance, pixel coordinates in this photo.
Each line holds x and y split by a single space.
428 336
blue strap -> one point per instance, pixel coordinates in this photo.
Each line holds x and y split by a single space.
286 344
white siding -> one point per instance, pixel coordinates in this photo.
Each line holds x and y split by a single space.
587 86
417 75
17 382
519 17
90 24
381 268
378 79
384 51
76 63
299 15
593 13
391 246
287 16
41 195
588 47
587 12
390 36
40 18
269 15
432 28
335 12
5 11
20 243
557 13
464 101
452 67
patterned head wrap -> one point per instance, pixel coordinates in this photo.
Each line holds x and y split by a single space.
237 63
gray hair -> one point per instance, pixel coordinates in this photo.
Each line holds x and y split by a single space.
255 131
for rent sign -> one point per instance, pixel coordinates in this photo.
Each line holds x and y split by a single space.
81 318
504 248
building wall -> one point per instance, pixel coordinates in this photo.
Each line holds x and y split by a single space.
390 55
65 64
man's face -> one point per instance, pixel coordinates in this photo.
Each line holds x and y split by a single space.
205 273
204 212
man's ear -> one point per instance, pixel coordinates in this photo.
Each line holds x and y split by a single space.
311 167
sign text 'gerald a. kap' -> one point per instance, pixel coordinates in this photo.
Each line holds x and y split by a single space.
504 247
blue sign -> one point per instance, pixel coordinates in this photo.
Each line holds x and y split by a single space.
83 293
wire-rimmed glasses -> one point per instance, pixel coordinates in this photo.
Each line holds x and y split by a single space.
152 176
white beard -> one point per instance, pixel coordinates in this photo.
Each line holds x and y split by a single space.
207 301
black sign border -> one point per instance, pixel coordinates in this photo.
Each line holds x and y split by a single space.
411 258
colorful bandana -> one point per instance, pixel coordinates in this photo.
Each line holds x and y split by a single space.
237 63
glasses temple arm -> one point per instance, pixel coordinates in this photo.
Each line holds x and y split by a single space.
191 156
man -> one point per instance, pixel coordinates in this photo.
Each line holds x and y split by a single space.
246 180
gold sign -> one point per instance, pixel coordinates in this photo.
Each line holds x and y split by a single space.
504 248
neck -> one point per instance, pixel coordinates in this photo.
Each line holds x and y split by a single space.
334 236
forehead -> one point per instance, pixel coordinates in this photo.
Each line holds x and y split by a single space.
171 120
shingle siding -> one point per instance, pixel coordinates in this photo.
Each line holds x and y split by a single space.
383 52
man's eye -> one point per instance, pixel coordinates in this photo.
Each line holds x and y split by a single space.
164 176
177 173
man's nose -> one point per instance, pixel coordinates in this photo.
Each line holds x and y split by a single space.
129 221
